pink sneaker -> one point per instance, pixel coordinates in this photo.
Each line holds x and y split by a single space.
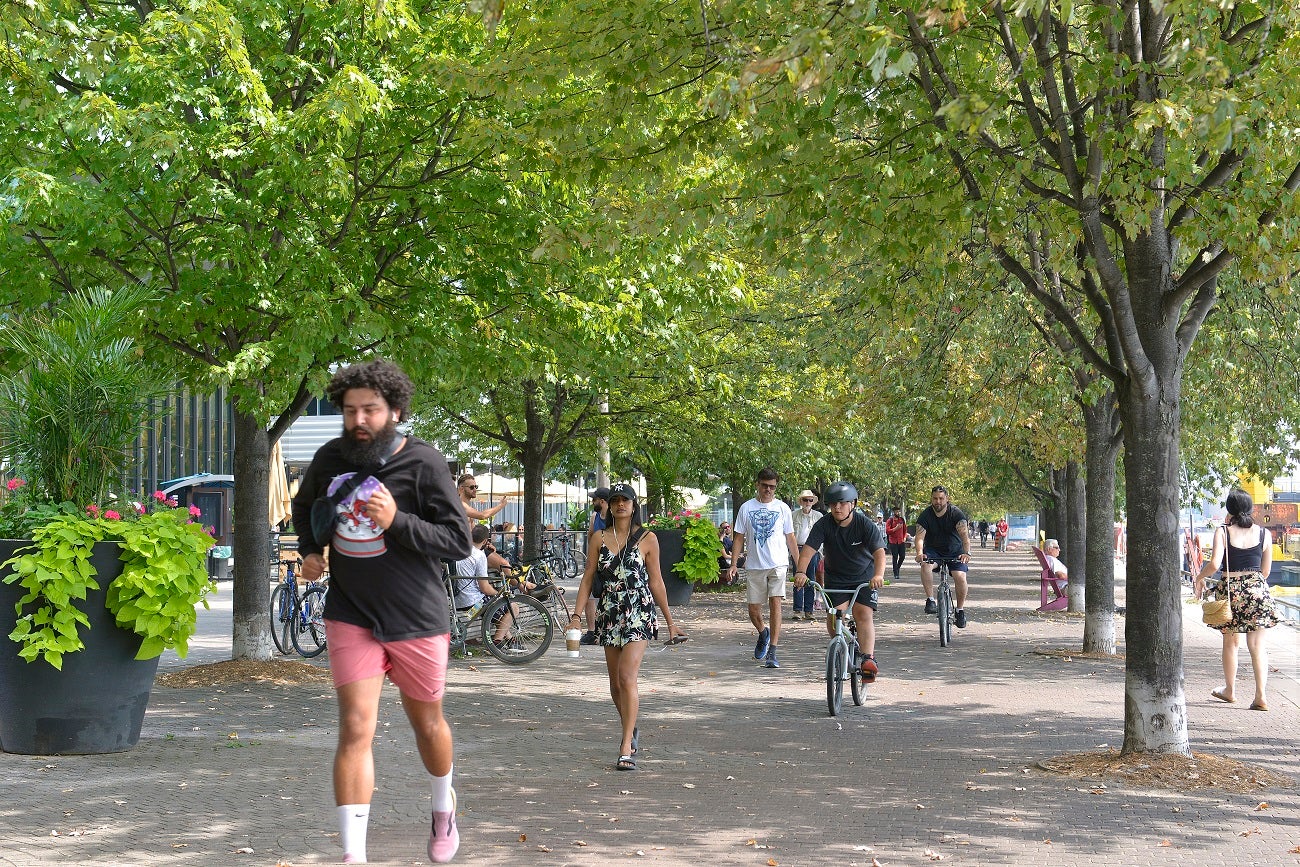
445 839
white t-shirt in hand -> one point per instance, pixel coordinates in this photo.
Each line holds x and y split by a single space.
764 526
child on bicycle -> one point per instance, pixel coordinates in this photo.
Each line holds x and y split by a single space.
853 549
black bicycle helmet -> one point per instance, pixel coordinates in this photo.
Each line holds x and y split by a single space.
841 492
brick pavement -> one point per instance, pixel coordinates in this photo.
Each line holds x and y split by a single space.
739 765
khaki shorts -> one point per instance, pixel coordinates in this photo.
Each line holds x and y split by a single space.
763 584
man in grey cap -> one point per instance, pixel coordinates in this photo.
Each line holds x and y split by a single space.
600 519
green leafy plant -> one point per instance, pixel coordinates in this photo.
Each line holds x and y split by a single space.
700 545
164 576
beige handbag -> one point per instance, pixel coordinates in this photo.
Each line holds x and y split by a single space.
1214 611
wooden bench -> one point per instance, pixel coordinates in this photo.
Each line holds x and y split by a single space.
1050 581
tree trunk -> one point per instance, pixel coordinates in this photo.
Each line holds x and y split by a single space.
1155 710
251 543
1072 532
1050 518
534 464
1100 423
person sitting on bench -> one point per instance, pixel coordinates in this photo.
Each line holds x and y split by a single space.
1052 549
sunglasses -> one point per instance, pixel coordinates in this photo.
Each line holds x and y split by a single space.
767 485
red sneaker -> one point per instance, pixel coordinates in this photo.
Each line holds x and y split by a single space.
869 670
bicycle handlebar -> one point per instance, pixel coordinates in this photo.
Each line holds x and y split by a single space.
826 593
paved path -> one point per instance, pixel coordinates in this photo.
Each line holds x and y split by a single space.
739 766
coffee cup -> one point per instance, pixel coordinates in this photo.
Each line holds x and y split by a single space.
573 641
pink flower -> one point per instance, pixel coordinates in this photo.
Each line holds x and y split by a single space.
112 516
14 484
139 508
172 501
211 531
195 511
159 496
93 510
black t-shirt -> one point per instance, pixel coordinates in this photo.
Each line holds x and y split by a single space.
941 534
388 581
850 551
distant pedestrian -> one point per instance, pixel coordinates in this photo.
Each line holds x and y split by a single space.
765 530
600 519
984 532
1000 532
628 559
387 611
896 537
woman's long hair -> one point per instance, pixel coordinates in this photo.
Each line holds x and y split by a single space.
1239 506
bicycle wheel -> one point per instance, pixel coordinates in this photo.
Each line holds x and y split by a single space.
524 625
277 617
855 681
945 615
309 624
836 655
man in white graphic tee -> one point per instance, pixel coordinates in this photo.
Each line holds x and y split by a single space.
764 529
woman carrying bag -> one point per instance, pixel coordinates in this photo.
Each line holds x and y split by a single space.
623 566
1246 551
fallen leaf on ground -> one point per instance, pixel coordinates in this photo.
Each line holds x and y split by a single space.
1262 806
523 838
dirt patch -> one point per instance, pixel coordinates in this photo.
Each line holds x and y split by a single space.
1197 772
1067 654
235 671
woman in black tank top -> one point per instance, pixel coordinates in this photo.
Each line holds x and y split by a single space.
1246 553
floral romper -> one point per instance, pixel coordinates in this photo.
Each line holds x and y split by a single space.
626 610
1252 605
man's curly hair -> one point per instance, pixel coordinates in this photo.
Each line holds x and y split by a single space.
379 375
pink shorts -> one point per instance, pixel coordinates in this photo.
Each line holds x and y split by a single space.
416 666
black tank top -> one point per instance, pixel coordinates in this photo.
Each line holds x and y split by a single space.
1244 559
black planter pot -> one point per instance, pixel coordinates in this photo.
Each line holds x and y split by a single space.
671 551
96 703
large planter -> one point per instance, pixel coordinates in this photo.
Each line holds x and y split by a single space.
96 703
670 554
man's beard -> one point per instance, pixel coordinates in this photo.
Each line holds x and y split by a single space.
367 453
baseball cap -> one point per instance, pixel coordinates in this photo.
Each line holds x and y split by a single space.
600 494
807 495
624 490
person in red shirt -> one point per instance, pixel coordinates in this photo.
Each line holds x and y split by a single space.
896 536
1000 534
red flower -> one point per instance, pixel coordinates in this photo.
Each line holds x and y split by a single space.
112 516
159 496
14 484
195 511
93 510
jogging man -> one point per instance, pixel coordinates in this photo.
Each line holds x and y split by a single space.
854 549
387 610
943 534
764 528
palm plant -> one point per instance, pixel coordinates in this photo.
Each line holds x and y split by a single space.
70 414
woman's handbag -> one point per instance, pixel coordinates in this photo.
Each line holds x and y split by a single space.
1215 611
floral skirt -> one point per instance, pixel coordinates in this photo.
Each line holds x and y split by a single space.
1252 606
625 613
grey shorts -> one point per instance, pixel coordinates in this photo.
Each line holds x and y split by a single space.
763 584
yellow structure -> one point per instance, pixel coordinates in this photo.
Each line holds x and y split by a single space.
1262 493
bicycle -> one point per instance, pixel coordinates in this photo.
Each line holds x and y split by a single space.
298 617
514 627
842 651
947 606
560 549
542 573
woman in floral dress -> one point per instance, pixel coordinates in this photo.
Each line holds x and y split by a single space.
1249 552
627 558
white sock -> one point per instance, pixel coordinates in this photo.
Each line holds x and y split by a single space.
352 830
442 802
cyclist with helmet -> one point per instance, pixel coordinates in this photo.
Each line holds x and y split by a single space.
854 552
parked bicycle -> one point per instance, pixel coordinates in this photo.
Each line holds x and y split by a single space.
842 653
298 613
560 548
545 574
946 603
514 627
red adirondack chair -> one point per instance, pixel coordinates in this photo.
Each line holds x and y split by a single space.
1049 580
